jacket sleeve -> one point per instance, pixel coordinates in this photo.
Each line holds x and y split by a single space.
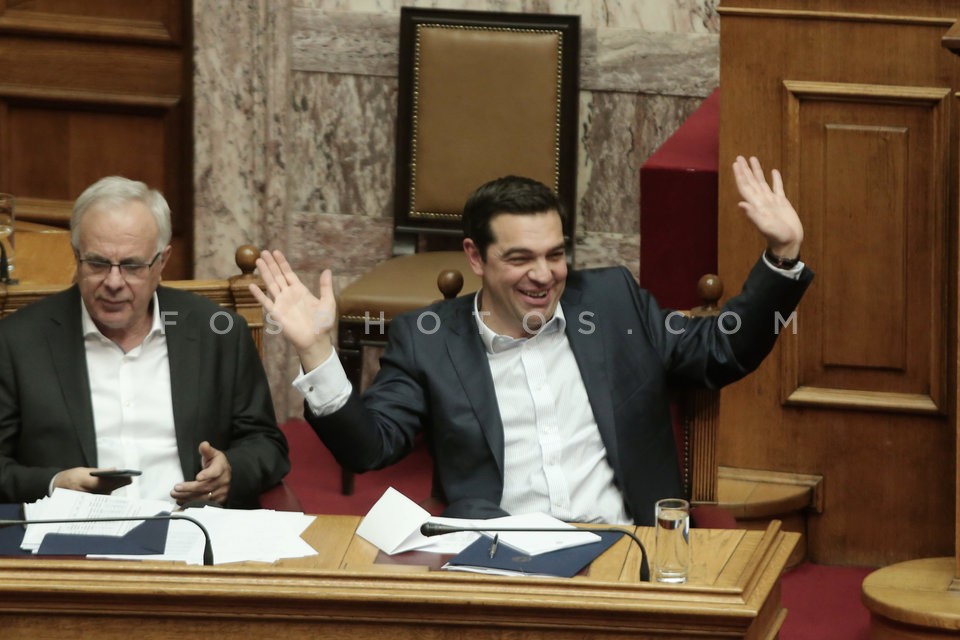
380 427
715 351
18 482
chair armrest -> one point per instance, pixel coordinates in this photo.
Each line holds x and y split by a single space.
433 505
280 498
710 516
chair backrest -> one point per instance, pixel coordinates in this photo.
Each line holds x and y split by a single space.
481 95
696 414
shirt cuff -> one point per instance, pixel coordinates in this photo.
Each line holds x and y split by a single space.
326 389
793 272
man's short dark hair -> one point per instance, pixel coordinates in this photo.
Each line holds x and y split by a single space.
509 194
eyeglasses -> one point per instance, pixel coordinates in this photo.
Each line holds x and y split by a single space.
97 268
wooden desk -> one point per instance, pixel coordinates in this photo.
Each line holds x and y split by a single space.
341 593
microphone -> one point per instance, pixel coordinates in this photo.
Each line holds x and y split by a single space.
429 529
207 546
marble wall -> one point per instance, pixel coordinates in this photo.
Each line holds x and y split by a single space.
295 115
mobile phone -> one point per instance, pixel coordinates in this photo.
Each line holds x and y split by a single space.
116 473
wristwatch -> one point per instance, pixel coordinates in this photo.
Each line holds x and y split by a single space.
779 262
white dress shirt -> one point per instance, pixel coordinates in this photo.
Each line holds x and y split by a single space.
133 409
554 460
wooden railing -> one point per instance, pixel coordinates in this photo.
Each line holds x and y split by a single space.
230 293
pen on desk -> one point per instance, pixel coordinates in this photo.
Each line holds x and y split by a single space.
493 545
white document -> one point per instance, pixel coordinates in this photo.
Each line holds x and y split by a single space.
237 535
259 535
393 526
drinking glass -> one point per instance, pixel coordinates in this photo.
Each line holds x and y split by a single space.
672 557
7 220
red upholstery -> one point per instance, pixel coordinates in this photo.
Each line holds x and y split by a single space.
678 217
678 209
710 516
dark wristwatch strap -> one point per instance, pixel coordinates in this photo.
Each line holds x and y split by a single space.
781 263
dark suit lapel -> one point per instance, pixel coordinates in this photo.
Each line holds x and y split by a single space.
182 348
587 343
65 340
468 357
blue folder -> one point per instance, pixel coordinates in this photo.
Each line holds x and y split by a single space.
563 563
147 538
11 536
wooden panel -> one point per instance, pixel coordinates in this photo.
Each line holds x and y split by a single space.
90 89
61 152
873 406
90 66
872 326
156 21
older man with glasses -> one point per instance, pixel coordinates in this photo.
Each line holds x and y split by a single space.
118 372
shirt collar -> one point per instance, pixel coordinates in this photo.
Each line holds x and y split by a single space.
90 328
496 343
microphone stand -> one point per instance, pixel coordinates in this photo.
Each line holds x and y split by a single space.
429 529
207 545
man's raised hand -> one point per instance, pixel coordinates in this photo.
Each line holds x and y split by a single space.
305 320
768 208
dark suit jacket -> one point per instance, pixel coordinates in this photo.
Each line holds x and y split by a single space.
220 394
628 357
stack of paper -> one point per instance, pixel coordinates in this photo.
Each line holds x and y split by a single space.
67 504
260 535
236 535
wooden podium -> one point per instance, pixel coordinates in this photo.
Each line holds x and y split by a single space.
920 599
856 102
343 592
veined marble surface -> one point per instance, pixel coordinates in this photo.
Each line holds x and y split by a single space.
611 59
295 118
682 16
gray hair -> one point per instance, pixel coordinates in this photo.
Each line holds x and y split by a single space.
117 190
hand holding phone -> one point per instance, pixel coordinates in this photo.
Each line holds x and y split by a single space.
115 473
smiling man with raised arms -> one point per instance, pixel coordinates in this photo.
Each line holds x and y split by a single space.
547 390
